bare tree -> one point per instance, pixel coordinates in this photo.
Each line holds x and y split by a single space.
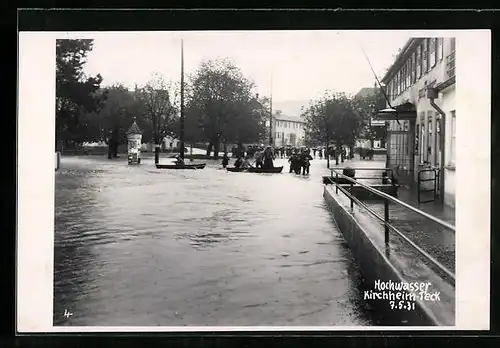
160 100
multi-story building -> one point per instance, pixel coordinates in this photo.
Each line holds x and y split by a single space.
287 130
420 86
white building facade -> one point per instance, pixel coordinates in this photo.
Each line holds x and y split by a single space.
288 130
415 142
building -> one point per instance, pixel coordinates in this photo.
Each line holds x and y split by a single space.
287 130
420 85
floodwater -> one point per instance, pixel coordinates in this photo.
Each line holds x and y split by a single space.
138 246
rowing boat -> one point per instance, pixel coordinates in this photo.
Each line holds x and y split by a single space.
256 170
185 166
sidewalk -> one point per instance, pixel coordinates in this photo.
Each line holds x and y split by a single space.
438 241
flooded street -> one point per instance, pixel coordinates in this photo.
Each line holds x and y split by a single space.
138 246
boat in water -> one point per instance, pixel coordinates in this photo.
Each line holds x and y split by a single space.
185 166
256 170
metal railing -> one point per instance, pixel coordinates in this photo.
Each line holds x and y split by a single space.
385 179
385 220
420 180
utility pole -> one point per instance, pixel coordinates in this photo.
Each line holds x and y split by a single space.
271 113
182 103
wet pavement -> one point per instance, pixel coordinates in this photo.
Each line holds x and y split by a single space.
138 246
436 240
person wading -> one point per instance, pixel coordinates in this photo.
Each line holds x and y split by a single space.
259 156
306 161
225 160
268 158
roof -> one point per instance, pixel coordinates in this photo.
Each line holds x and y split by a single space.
134 129
282 117
366 91
404 53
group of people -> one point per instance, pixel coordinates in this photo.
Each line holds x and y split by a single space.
262 159
300 160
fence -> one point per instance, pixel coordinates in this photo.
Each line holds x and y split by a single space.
385 220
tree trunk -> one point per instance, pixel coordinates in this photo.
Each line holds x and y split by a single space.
216 148
157 149
337 155
209 148
115 150
327 154
239 151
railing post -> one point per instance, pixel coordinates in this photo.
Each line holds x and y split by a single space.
386 219
336 183
384 178
352 201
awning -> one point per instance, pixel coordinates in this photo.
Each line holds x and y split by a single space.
406 111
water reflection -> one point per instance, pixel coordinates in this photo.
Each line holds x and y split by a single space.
137 246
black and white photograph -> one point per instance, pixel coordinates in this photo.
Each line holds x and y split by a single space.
231 179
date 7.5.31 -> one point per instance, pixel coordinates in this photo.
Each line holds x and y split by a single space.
402 305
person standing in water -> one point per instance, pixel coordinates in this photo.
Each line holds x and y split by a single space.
225 160
268 158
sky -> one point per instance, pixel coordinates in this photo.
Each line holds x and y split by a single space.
300 64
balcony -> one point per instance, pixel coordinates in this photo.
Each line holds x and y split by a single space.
450 65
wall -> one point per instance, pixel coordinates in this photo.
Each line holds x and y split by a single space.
298 131
365 239
415 94
448 105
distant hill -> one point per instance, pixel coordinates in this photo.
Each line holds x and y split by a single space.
291 107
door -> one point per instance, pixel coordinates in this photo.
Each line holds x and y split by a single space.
400 150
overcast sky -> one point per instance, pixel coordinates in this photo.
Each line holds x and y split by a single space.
303 63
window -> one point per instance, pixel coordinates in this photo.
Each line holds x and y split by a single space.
400 79
452 45
439 49
408 73
452 138
432 53
395 85
419 62
403 77
422 142
413 66
425 56
417 136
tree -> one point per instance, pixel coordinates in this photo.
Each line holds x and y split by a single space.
116 115
334 119
77 96
160 107
367 107
221 105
